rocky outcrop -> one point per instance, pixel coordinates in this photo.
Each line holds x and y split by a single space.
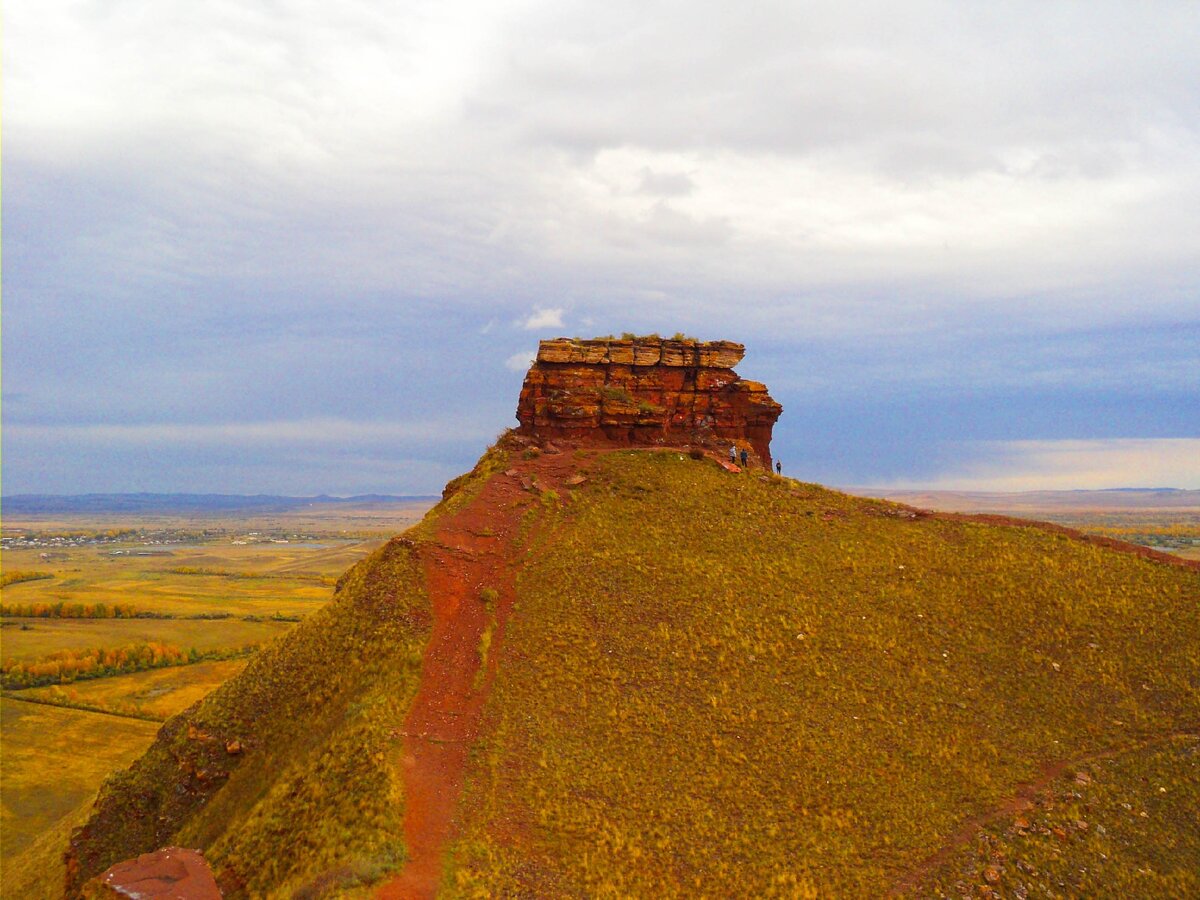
171 873
646 391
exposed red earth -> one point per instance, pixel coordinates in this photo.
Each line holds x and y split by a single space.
472 552
479 548
172 873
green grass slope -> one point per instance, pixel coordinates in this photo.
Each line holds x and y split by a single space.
718 685
287 774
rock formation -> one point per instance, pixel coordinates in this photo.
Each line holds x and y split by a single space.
646 391
171 874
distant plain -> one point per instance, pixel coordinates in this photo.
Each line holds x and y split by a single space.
213 581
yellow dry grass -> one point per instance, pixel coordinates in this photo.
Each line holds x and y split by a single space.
54 760
720 685
158 693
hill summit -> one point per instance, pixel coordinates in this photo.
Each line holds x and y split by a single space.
599 670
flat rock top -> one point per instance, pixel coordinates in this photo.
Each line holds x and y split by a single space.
642 351
172 873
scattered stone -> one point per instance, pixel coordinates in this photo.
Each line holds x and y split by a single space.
991 874
548 447
512 473
172 873
1083 778
233 748
576 480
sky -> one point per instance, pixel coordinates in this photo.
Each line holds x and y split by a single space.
308 247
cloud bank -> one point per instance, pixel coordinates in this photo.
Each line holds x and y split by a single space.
230 213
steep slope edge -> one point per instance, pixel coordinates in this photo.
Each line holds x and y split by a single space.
288 770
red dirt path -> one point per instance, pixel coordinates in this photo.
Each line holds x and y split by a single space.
473 549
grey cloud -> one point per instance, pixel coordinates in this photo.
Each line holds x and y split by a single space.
231 212
665 184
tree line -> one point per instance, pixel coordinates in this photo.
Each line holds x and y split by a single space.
67 666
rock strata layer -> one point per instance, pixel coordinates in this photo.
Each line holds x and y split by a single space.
646 391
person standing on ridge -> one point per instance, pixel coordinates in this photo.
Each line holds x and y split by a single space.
778 467
733 454
745 457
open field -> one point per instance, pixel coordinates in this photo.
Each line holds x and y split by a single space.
55 759
170 569
29 639
158 693
216 577
330 519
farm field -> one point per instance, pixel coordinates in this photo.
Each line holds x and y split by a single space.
54 760
29 639
157 693
210 583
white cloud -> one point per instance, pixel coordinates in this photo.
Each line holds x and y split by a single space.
1068 465
519 362
544 318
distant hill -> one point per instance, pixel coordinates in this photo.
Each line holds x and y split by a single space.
38 504
637 673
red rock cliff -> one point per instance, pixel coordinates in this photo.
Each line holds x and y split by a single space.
646 391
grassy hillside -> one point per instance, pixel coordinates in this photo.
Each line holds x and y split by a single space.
710 684
285 775
716 685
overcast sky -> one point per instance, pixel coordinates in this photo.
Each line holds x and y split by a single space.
304 247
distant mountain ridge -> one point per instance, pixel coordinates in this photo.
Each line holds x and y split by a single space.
166 503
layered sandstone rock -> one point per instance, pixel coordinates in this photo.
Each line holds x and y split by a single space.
646 391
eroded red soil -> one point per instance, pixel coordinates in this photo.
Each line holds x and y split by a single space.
471 552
